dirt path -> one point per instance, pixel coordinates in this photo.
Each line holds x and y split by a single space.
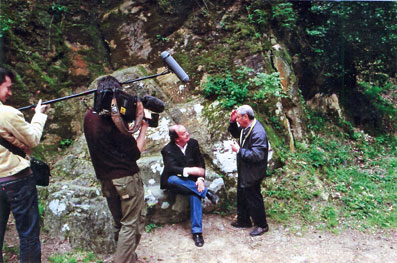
225 244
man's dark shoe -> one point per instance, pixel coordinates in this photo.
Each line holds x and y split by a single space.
212 197
259 231
237 224
198 239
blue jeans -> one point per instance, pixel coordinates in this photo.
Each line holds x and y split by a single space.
20 197
188 187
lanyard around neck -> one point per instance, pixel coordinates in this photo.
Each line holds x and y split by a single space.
249 132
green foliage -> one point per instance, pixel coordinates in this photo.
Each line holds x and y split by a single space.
225 207
275 122
161 38
258 16
10 253
41 209
12 250
166 6
73 257
269 86
64 143
381 100
261 13
326 153
228 90
150 227
292 195
316 121
360 175
315 156
62 258
90 257
58 8
330 216
5 24
232 91
336 30
367 196
285 15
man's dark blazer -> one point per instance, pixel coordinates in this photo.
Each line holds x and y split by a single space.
252 157
175 160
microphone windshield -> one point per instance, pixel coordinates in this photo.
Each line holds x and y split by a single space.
174 66
153 104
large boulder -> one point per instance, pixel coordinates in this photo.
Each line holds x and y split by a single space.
80 215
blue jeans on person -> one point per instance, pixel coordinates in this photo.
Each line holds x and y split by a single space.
20 197
188 187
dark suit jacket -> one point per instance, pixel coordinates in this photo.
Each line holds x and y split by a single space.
175 160
252 157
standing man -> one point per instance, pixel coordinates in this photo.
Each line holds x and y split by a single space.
252 151
184 172
18 191
114 155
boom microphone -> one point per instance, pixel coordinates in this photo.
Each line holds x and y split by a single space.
174 66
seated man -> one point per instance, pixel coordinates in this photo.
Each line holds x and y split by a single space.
184 172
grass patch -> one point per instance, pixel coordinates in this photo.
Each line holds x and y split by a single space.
338 179
74 257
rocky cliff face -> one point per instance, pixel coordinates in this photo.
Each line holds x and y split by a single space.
60 48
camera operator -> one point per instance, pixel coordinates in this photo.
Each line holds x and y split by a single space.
18 191
114 155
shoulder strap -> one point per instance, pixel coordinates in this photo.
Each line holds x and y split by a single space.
12 148
119 122
246 136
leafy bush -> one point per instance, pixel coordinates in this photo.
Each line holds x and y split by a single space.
269 85
243 87
261 13
5 24
229 91
379 97
285 15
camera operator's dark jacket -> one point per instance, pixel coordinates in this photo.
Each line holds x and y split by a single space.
113 154
175 160
252 157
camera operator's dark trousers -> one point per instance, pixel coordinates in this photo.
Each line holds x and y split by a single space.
250 204
125 198
20 197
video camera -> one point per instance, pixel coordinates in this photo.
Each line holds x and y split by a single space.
127 105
